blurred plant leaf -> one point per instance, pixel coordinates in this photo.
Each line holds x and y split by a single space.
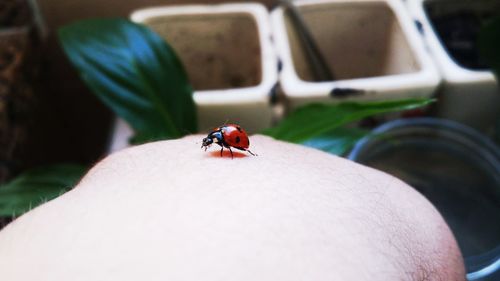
36 186
338 141
489 44
316 119
136 73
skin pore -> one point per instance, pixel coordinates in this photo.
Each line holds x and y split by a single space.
170 211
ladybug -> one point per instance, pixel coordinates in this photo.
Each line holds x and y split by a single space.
230 135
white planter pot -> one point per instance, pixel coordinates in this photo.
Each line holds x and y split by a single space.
468 96
227 52
372 47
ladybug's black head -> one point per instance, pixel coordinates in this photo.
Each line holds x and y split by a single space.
207 142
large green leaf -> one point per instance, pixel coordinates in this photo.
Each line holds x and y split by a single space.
136 73
338 141
36 186
489 45
315 119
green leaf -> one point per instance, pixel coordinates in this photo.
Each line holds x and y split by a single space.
339 141
136 73
36 186
489 45
315 119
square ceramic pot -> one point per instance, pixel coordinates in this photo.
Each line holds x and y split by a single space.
227 52
372 47
470 93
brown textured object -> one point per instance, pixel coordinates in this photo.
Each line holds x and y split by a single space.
17 72
14 13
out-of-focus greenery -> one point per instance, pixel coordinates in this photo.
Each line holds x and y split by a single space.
36 186
489 50
339 141
489 45
320 125
135 73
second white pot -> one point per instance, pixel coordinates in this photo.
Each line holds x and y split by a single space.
372 47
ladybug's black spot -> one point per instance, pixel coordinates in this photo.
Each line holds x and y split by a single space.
238 128
237 139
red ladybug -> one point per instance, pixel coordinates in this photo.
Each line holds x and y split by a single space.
228 136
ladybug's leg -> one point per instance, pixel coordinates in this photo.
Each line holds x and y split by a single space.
231 152
221 149
244 149
251 152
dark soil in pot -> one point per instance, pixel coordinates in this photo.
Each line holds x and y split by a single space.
458 24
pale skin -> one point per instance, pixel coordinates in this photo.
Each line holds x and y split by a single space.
170 211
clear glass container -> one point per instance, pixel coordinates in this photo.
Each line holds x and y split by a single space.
455 168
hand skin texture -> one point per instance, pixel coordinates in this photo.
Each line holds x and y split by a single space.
170 211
